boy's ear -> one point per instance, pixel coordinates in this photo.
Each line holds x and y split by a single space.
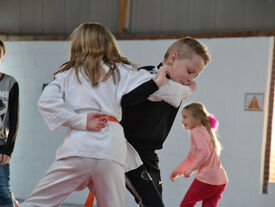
172 57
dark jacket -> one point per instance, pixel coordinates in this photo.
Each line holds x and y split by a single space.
146 123
9 95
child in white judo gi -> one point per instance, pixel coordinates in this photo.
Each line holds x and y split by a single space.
88 86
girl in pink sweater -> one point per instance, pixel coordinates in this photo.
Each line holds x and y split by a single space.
203 157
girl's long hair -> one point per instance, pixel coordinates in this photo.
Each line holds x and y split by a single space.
92 44
198 111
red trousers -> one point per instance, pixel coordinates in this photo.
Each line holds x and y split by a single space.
199 191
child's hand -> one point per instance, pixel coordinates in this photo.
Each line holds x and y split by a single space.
193 86
174 175
161 76
95 122
187 173
4 159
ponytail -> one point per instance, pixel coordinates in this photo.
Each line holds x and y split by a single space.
211 124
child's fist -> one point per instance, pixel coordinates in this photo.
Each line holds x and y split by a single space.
174 175
193 85
4 159
95 122
161 76
187 173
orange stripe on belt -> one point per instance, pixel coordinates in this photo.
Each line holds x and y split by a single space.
90 200
110 118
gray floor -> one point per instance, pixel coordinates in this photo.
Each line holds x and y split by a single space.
70 205
63 205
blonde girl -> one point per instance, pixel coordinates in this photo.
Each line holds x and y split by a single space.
86 92
203 157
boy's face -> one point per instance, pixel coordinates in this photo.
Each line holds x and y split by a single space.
184 71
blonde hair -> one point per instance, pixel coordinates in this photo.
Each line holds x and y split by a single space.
198 111
187 47
2 50
92 44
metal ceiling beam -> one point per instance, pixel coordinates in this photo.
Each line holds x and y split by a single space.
254 33
143 37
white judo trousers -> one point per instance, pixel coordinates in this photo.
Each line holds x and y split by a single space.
96 160
75 174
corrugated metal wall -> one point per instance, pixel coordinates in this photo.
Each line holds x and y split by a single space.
180 16
60 17
57 17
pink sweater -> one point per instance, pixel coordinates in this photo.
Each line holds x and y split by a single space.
203 158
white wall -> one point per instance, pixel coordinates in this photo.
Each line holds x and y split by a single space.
239 65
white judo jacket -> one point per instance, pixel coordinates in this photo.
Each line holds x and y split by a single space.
65 102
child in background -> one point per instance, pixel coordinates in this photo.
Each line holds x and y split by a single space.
9 121
86 92
203 157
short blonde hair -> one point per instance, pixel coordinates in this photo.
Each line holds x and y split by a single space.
186 47
2 50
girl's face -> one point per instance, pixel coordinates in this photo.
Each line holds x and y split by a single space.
189 122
